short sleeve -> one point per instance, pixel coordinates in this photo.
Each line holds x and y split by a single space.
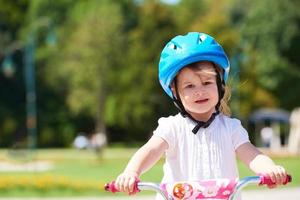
165 130
239 134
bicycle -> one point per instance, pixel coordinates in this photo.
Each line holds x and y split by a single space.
223 189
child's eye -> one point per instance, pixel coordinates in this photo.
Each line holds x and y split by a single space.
189 86
207 82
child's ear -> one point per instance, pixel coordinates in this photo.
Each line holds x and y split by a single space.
173 89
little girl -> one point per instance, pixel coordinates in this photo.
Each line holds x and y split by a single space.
202 141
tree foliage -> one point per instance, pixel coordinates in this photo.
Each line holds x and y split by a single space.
269 29
101 75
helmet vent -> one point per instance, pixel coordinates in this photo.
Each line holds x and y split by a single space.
201 39
173 46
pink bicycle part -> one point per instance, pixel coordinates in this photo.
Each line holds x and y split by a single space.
222 189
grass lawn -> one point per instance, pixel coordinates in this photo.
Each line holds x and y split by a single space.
81 170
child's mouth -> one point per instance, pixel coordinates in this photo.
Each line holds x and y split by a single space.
201 101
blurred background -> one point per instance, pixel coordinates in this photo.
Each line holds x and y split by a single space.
79 90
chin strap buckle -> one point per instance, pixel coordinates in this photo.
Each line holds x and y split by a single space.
204 124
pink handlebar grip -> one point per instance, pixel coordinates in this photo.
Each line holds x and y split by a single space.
111 187
266 180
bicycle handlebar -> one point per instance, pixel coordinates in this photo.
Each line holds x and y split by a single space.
265 180
227 189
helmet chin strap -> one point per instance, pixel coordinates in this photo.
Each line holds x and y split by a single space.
200 124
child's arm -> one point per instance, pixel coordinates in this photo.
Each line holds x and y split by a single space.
140 162
260 163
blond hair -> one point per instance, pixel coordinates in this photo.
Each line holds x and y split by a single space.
224 107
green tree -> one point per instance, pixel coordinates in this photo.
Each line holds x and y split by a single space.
187 12
89 58
139 100
270 33
43 19
12 103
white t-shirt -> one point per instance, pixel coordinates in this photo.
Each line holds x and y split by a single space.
209 154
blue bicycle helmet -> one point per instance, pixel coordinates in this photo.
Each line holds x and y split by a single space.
187 49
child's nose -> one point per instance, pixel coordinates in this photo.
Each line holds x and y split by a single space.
199 90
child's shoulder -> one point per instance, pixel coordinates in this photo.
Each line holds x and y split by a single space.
170 125
229 121
171 119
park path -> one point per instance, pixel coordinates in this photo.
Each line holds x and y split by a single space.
292 193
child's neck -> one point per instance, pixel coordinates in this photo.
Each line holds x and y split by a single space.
204 117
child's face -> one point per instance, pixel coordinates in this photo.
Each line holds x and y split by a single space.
198 90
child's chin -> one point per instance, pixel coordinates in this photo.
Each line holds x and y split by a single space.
200 112
201 109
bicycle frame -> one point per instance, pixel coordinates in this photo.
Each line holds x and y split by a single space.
227 189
